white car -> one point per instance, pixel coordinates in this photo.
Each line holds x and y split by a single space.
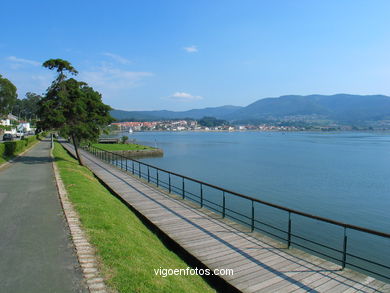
19 135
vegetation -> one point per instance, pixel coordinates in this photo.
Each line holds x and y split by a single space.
2 156
211 122
27 108
124 139
72 107
5 127
122 147
10 149
7 96
127 250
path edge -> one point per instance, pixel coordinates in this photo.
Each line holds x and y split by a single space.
86 254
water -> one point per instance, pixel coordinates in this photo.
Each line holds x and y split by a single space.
342 176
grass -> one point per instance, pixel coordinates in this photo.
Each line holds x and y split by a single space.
122 147
128 251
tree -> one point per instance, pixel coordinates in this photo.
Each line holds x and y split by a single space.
124 139
27 108
211 122
60 66
8 96
72 107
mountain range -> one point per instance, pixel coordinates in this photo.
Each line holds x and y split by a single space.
342 108
165 114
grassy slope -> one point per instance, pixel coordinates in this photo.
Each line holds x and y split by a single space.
121 147
127 249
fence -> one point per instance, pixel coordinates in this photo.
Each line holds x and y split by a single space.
303 230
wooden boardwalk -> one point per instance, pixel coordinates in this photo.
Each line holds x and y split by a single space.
260 264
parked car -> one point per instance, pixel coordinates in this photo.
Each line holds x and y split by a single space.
20 134
8 136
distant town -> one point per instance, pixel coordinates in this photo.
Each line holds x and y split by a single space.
200 125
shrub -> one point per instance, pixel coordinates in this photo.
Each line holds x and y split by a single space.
12 148
124 139
2 149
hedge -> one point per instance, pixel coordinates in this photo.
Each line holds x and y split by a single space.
12 148
2 149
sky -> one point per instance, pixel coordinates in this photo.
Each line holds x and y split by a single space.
180 55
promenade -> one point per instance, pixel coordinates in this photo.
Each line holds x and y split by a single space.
260 264
36 253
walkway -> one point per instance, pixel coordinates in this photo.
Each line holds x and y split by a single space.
36 254
259 263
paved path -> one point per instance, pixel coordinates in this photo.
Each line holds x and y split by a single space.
260 264
36 254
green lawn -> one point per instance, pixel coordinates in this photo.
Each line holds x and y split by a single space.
122 147
128 251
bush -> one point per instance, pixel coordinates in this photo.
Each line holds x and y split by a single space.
2 149
12 148
124 139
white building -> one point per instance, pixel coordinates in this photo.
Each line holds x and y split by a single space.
5 122
24 126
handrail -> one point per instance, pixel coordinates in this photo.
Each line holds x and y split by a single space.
345 225
289 235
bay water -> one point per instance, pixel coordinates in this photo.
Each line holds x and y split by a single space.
344 176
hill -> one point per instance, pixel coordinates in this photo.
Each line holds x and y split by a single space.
341 108
164 114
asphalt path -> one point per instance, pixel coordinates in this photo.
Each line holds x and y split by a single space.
36 253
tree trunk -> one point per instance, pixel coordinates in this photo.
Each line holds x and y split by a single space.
75 144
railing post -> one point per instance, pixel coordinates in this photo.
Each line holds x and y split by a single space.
223 204
169 182
126 164
157 177
289 230
344 249
148 175
253 217
139 170
121 162
183 195
132 163
201 195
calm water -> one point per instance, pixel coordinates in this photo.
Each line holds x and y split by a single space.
342 176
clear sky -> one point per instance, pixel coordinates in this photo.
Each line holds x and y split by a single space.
179 55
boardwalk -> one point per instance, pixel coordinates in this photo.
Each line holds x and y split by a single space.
259 263
36 254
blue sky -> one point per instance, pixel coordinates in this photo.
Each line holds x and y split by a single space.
179 55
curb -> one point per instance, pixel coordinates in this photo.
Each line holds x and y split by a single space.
84 250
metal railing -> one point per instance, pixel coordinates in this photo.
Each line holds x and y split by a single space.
179 184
